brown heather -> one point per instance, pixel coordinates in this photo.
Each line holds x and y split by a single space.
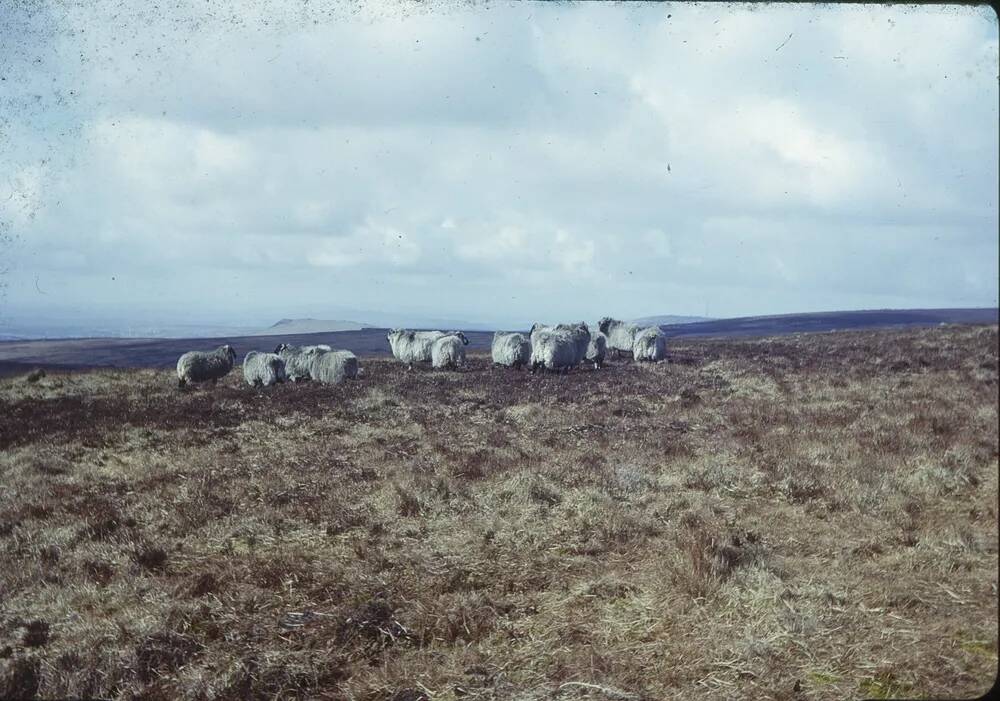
805 517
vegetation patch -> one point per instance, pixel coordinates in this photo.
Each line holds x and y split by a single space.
763 519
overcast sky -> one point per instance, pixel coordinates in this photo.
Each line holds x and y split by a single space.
237 163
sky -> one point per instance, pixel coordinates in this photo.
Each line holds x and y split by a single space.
240 162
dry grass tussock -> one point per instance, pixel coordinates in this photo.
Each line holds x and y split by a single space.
804 517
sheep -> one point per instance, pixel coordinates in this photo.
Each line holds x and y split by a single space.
333 367
448 352
552 349
621 335
597 349
510 349
298 359
263 369
650 344
205 366
415 346
579 334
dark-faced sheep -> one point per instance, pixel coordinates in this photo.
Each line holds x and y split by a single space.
205 366
298 359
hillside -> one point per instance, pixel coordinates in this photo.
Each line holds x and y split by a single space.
666 319
831 321
288 327
803 517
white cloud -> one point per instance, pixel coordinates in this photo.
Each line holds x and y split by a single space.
372 242
659 243
816 154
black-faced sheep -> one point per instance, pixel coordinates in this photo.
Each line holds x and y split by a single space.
205 366
298 359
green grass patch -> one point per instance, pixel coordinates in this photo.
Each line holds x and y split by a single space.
980 647
823 678
884 686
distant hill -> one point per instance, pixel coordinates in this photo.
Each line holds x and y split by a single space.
669 319
286 327
831 321
20 355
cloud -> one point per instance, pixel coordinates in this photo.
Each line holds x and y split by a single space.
508 161
370 243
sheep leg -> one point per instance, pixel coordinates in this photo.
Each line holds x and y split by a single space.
181 382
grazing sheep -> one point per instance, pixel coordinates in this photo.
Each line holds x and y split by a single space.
621 335
415 346
205 366
510 349
333 367
448 352
263 369
579 334
298 359
597 349
650 344
552 349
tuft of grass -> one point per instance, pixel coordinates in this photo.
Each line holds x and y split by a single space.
823 678
980 647
884 686
150 557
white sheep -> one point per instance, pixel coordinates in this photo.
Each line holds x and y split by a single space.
552 349
415 346
333 367
205 366
597 349
298 359
448 352
650 344
263 369
510 349
621 334
579 333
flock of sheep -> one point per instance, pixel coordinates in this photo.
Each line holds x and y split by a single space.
556 348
